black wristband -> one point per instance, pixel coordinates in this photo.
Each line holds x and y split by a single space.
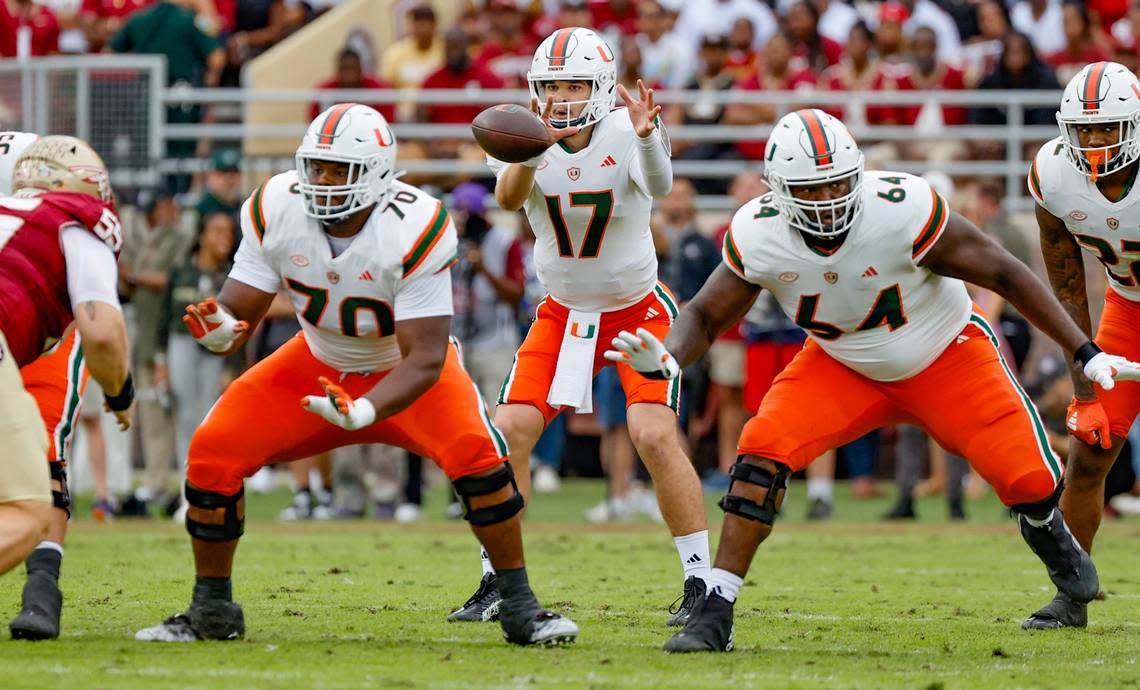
123 400
1085 353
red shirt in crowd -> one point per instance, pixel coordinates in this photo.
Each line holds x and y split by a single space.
842 77
113 8
831 50
40 22
388 110
604 16
509 64
474 77
944 78
754 150
1089 54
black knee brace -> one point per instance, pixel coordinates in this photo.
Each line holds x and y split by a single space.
467 487
60 498
754 474
1042 507
214 517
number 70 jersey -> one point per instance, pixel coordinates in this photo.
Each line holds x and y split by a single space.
869 304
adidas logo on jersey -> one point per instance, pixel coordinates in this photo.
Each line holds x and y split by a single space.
608 162
650 313
367 275
870 272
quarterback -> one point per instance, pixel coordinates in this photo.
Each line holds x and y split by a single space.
1083 183
870 265
364 258
589 199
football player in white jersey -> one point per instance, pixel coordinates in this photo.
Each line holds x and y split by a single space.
589 199
1084 185
871 266
364 258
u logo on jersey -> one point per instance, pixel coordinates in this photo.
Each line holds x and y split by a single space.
576 327
817 145
574 173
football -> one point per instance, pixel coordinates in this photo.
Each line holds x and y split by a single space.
511 133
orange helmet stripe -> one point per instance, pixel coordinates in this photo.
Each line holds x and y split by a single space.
333 119
1091 98
558 49
816 135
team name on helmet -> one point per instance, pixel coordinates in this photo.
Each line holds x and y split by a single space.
62 164
358 137
809 148
576 54
1101 93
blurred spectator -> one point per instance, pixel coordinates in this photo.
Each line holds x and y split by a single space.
1125 33
1104 12
665 55
743 58
223 191
610 15
350 75
410 59
508 49
195 373
982 51
258 25
690 257
700 18
816 52
713 77
776 74
1083 44
858 70
927 13
836 18
1042 21
27 30
102 19
71 38
928 73
487 284
889 40
629 66
458 72
1018 68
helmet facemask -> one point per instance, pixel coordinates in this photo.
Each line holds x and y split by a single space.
365 184
1096 162
828 218
594 108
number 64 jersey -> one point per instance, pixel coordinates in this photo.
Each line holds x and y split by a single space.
393 270
869 304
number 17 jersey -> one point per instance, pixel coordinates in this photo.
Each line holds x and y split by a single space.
590 214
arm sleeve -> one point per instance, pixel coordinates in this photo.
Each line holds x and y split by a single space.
429 295
92 274
652 170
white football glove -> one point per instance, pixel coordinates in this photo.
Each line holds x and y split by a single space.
645 353
1127 371
212 326
1105 370
339 408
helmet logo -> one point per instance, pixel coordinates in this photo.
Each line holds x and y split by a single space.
384 139
817 145
606 57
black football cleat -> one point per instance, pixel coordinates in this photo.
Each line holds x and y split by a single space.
482 606
217 620
903 510
541 628
694 591
39 615
1069 567
819 509
1062 612
709 628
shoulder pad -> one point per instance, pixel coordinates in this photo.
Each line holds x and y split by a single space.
268 204
428 240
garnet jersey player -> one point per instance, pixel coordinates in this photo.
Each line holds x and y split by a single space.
58 241
363 258
589 199
871 266
1084 185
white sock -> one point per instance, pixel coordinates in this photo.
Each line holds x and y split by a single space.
50 545
485 560
1040 523
724 584
820 488
694 552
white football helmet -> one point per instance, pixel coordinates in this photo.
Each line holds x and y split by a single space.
810 147
1101 92
571 55
354 134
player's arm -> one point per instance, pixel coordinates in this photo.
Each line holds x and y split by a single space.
513 185
965 252
654 170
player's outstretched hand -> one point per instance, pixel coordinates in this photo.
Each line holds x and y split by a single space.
1088 422
339 408
213 326
642 112
556 133
645 353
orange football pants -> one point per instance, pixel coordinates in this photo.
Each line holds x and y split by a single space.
259 420
57 380
1119 334
528 382
968 400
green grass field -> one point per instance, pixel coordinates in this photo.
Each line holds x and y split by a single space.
847 604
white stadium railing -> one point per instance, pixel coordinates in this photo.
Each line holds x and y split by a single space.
120 102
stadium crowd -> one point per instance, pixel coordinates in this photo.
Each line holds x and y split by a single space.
180 241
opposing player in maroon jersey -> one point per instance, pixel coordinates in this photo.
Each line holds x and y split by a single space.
59 237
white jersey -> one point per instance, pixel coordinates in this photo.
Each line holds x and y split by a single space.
393 270
1109 230
590 213
12 146
869 305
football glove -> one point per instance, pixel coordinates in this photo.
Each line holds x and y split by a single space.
645 353
339 408
1088 422
212 326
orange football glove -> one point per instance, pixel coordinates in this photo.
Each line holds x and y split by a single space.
1087 420
338 407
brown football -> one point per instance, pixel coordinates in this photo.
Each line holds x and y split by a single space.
511 133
